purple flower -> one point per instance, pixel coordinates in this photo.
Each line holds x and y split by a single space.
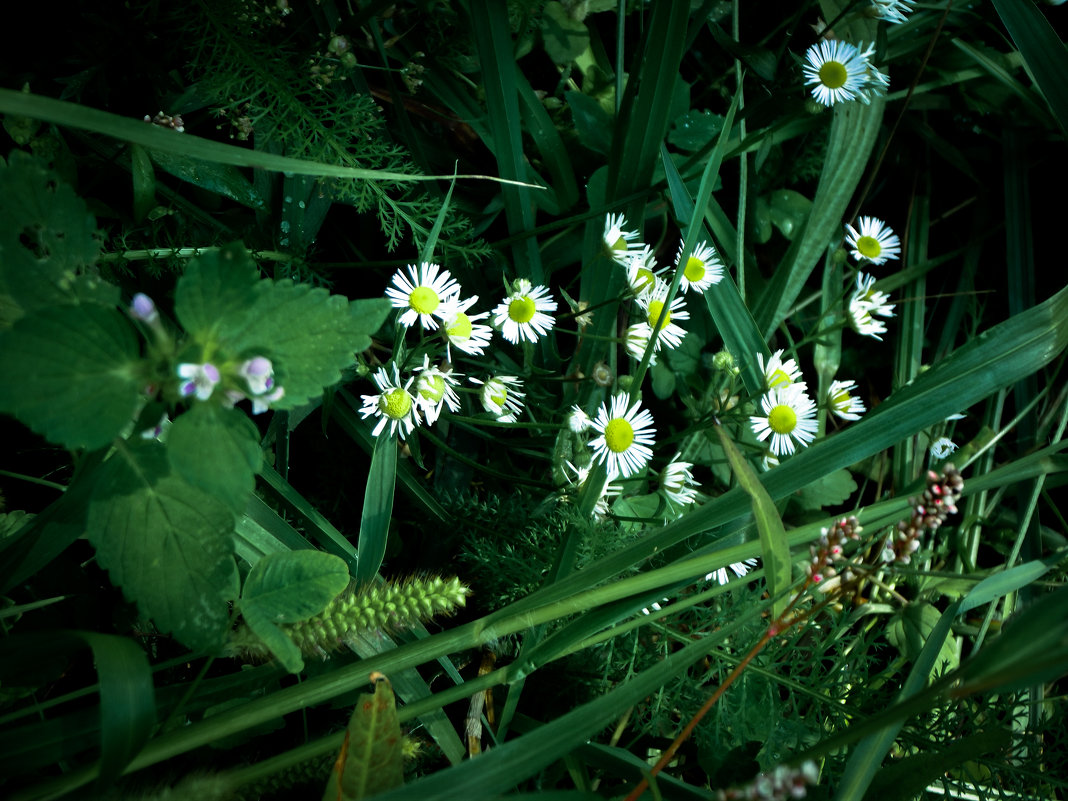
142 308
259 373
200 379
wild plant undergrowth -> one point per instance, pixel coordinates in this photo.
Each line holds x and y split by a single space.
603 399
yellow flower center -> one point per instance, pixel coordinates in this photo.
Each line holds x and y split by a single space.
396 403
694 270
782 419
497 394
655 308
618 435
779 379
460 328
431 388
643 279
840 400
423 300
833 74
869 247
521 310
620 245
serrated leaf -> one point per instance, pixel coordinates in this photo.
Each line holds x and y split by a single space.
168 544
310 335
909 631
70 374
828 490
370 761
215 292
36 205
292 586
217 450
564 37
592 123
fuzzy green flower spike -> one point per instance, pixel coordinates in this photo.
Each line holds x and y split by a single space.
389 607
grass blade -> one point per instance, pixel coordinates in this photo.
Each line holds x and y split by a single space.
377 509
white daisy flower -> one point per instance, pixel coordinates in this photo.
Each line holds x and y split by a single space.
866 304
842 402
578 421
893 11
523 315
653 306
876 85
677 482
502 396
874 243
625 437
425 293
789 417
642 275
942 448
610 490
837 70
394 405
703 268
434 388
738 568
777 373
619 242
463 330
636 340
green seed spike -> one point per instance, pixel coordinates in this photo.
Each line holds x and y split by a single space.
387 607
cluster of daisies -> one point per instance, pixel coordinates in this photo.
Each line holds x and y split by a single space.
872 243
650 288
431 298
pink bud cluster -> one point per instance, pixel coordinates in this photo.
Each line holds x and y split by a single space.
828 551
175 123
929 512
777 785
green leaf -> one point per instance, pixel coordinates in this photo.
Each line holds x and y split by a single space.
830 489
663 380
288 587
144 182
217 450
371 760
291 586
686 358
788 210
911 628
993 587
70 374
168 544
215 292
564 37
695 129
308 333
377 508
773 543
592 123
222 179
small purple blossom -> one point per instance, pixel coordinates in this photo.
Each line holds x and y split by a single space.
156 432
263 402
200 379
259 373
142 308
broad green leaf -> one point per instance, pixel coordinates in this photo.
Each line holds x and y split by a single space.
214 294
284 588
291 586
217 450
309 334
565 38
223 179
70 374
377 508
168 544
773 543
686 358
830 489
663 380
695 129
593 124
788 211
993 587
911 628
371 760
